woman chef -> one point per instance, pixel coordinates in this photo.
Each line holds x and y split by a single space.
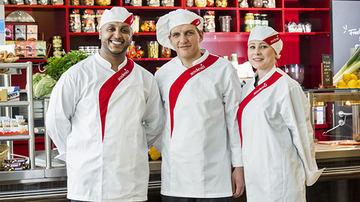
277 136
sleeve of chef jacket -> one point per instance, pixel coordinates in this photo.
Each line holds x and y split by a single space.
295 111
231 98
58 117
153 118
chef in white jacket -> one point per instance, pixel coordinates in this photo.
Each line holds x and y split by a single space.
103 115
277 137
200 92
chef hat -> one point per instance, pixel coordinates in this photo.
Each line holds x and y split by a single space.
117 14
173 19
269 35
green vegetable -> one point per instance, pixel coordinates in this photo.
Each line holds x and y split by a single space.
351 66
36 79
44 87
57 66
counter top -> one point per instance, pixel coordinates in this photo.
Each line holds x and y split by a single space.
325 152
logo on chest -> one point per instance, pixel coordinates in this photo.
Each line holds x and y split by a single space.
123 75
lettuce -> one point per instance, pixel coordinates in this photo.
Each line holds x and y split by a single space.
44 87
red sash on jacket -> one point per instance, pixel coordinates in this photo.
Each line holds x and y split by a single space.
179 83
254 93
108 88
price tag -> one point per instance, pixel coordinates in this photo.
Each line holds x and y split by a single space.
327 74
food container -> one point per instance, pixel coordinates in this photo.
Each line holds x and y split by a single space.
136 23
103 2
154 3
209 21
200 3
87 2
153 49
139 52
131 53
167 3
136 3
225 23
165 52
148 26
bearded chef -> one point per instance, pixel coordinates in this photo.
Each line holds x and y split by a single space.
200 92
277 137
104 113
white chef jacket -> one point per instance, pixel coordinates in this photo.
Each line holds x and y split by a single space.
197 154
105 161
277 140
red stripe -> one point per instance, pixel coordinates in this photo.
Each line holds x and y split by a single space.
254 93
178 85
129 20
272 39
108 88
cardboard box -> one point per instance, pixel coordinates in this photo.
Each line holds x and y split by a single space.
13 93
30 49
9 32
20 32
40 48
20 48
9 42
32 32
3 95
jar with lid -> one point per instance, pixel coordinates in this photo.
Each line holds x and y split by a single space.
57 52
271 3
257 20
257 3
153 49
136 2
87 2
81 48
264 20
221 3
57 43
200 3
265 3
249 22
75 2
167 3
209 21
136 23
139 52
153 3
148 26
189 3
225 23
243 4
131 52
165 52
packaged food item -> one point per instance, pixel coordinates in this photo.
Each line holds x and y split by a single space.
153 3
153 49
209 3
57 2
265 3
136 23
131 52
257 20
292 26
243 4
225 23
57 42
15 160
148 26
249 22
13 93
264 20
139 52
5 122
20 32
189 3
257 3
43 2
87 2
75 2
75 21
221 3
20 120
200 3
13 123
209 21
9 32
103 2
17 2
308 27
13 165
30 2
88 21
20 48
98 15
271 3
167 3
40 48
136 2
30 49
32 32
165 52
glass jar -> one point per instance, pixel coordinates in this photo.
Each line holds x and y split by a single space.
139 52
148 26
243 4
189 3
257 3
57 43
153 3
257 20
136 23
264 20
200 3
225 23
209 21
271 3
131 52
165 52
75 2
153 49
103 2
265 3
88 2
221 3
249 22
136 2
167 3
82 48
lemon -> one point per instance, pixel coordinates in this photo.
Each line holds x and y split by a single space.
354 77
352 83
154 154
341 84
358 83
346 77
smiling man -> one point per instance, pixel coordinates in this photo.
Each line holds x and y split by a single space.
200 92
104 113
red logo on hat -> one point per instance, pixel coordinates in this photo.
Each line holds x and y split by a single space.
196 22
129 20
272 39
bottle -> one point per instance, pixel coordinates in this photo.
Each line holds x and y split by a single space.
264 20
234 60
209 21
249 22
257 20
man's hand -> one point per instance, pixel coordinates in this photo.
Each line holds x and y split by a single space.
238 182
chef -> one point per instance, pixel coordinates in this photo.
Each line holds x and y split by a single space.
104 113
277 137
200 92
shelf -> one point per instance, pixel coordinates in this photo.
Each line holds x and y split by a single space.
14 104
34 6
14 137
13 65
151 59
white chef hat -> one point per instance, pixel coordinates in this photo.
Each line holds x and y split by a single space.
117 14
269 35
173 19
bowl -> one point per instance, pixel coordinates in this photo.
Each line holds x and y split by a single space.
295 71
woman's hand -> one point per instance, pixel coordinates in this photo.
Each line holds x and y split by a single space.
238 182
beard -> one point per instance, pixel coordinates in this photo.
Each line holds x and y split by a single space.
116 52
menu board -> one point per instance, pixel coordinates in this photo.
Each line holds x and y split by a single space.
327 74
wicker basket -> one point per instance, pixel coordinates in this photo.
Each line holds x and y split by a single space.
4 149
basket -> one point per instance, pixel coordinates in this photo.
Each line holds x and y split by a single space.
4 149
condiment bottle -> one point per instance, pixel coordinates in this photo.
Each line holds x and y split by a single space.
264 20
